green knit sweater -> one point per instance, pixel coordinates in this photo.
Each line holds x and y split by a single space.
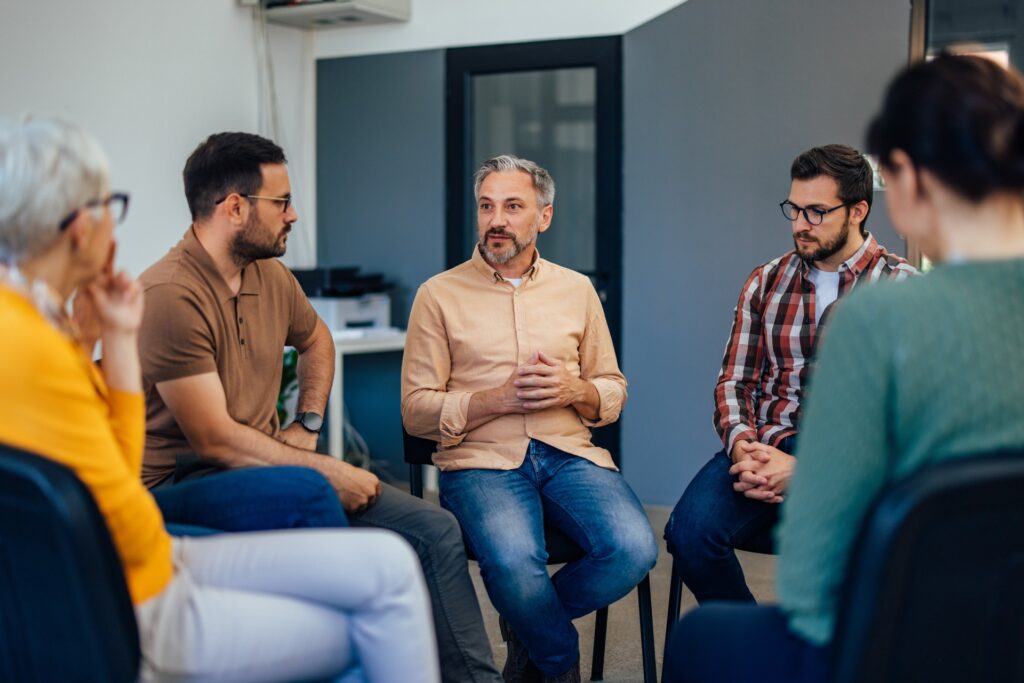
907 374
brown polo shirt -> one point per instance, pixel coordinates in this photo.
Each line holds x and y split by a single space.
195 324
469 329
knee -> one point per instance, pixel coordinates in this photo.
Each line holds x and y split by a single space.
310 486
632 550
436 536
398 566
511 561
690 528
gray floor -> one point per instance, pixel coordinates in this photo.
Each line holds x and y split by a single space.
622 653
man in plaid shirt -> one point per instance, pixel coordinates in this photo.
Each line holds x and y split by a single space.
733 502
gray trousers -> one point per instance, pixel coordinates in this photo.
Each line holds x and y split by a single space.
463 647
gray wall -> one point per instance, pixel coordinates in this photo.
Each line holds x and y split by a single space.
380 167
720 95
380 206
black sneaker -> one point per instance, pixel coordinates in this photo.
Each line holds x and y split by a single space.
518 667
570 676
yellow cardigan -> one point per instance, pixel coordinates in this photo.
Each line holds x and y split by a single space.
54 402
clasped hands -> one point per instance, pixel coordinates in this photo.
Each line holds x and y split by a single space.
762 472
541 383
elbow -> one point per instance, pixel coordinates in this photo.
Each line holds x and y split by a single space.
212 445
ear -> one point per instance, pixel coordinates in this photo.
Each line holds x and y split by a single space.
545 217
235 208
78 233
858 212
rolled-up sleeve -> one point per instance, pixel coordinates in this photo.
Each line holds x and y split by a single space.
599 366
429 410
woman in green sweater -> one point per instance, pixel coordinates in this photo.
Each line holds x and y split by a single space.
908 374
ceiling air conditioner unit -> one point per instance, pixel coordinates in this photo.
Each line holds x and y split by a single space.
334 13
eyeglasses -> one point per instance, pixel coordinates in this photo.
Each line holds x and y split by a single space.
811 215
287 200
116 202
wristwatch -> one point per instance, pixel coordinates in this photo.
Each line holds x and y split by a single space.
310 421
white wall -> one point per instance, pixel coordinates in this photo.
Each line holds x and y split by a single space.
151 79
451 23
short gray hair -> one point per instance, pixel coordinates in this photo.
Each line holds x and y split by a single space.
542 181
48 169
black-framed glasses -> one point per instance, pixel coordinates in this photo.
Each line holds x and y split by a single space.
286 200
811 215
116 202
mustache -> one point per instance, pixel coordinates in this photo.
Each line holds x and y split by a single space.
498 232
806 236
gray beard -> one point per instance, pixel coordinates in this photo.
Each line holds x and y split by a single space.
504 257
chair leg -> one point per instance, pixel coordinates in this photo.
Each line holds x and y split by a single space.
675 597
600 636
643 594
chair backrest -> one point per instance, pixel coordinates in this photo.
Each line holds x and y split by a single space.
65 612
935 587
417 452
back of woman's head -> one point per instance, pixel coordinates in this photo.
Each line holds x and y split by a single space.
960 117
48 169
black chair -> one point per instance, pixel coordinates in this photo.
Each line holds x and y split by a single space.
561 549
935 585
65 612
762 545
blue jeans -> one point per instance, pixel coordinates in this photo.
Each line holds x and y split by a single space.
707 525
252 499
503 513
726 642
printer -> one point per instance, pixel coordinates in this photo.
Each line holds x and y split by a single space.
346 299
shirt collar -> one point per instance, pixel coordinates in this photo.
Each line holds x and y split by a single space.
485 269
194 249
856 264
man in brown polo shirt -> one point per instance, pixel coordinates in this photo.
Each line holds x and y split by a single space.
220 308
508 365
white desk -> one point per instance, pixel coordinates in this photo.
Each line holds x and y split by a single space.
365 340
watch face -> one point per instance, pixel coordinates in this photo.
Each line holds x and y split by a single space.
311 421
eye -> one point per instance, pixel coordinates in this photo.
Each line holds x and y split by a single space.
817 212
484 206
515 206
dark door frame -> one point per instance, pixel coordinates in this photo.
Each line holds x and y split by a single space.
603 53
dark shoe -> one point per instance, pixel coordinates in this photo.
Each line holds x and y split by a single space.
570 676
518 667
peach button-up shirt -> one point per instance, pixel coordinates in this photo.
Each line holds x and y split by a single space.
469 329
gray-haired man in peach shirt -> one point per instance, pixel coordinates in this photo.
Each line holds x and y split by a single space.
508 365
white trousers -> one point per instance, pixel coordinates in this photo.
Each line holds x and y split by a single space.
295 605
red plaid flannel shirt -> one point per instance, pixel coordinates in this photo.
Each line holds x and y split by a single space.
771 345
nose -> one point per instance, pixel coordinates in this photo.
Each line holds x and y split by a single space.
801 224
291 215
498 218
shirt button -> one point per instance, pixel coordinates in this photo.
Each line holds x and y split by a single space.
243 342
239 321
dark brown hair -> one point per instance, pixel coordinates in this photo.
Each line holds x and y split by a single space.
846 166
960 117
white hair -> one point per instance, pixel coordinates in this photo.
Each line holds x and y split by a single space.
543 183
48 169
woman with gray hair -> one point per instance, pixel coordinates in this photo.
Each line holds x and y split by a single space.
290 605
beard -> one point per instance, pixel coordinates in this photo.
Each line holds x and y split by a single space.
249 244
823 250
513 249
